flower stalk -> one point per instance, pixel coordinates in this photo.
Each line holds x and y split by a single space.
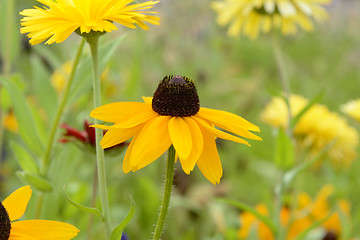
167 193
93 40
46 161
284 77
59 113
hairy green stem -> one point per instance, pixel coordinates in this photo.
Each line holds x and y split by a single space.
93 41
46 160
167 193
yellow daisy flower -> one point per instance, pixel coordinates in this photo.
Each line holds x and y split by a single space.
172 116
58 19
352 109
253 16
13 208
316 129
296 221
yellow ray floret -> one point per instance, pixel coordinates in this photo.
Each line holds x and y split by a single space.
15 206
252 17
58 19
193 137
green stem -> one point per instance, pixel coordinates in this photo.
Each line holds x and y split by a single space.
279 191
167 193
284 77
54 127
93 41
39 205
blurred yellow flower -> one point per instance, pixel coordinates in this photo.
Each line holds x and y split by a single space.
13 208
172 116
352 109
10 122
316 129
297 220
58 19
253 16
61 76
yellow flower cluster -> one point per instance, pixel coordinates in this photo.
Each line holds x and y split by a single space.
253 16
352 109
297 220
316 129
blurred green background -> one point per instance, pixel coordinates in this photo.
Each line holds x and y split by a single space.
233 74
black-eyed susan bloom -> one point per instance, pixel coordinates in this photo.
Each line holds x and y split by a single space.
251 17
58 19
13 208
172 117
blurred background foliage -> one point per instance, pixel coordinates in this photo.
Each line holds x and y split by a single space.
234 74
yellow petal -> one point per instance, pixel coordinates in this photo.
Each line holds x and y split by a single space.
218 133
197 146
16 203
209 162
180 136
43 230
147 100
151 143
120 111
116 136
229 122
126 162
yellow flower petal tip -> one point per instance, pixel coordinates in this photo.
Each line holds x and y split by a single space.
14 206
172 117
58 19
252 17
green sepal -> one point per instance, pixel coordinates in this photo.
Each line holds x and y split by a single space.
35 180
27 162
93 211
116 233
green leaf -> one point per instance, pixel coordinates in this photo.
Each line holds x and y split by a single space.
285 153
26 161
83 81
90 210
118 230
242 206
44 91
302 235
35 180
27 127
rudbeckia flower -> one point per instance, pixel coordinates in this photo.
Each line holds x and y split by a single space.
13 208
172 117
316 129
352 109
251 17
58 19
